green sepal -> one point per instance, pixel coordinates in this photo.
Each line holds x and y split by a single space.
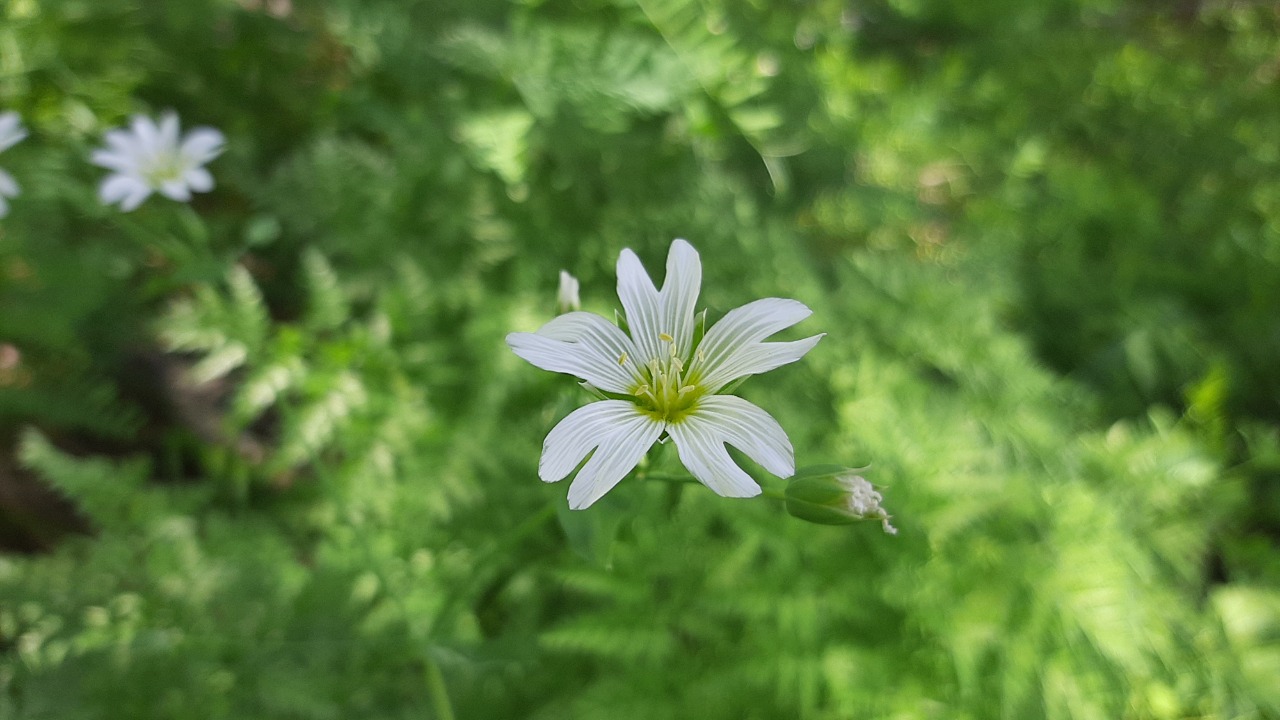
699 332
815 495
605 394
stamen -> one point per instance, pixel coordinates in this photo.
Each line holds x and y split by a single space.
663 388
622 359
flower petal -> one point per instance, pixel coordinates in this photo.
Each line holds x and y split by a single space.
175 190
756 359
628 435
679 294
584 345
11 130
578 433
146 134
115 188
701 436
652 313
168 131
122 141
126 190
134 199
198 179
8 186
733 349
202 144
114 160
123 152
641 305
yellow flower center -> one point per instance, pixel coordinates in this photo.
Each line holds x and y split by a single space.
666 392
165 168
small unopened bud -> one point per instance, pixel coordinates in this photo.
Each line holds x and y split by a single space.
567 297
834 495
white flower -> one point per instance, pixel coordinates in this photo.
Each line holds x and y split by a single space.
149 158
567 297
11 133
664 379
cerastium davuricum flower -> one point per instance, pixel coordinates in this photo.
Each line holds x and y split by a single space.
665 377
151 157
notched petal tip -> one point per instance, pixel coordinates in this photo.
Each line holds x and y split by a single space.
623 436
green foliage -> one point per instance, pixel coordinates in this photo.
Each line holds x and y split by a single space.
335 385
1041 239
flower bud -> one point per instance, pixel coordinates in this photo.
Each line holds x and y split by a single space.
567 297
835 495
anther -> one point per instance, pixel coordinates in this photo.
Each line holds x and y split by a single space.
666 338
622 359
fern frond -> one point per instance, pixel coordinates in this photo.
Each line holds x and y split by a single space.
326 300
109 493
263 387
725 70
315 423
608 641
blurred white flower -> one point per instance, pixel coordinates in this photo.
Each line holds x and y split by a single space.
567 297
11 133
149 158
665 377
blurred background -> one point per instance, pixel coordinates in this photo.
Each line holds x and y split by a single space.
268 456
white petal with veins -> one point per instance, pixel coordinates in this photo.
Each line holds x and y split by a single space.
721 419
733 349
641 305
679 294
583 345
623 441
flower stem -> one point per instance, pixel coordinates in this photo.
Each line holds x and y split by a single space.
438 690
